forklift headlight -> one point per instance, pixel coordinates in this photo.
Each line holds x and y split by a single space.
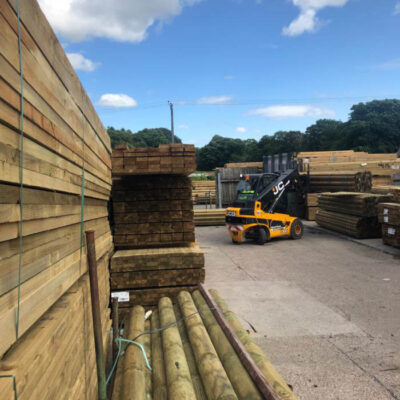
231 213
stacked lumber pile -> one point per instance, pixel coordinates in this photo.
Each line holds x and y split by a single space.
53 188
209 367
56 359
383 167
354 214
166 159
152 211
154 232
256 164
172 269
389 190
389 216
311 206
210 217
203 192
340 182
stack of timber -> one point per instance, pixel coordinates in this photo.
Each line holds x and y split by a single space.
311 206
166 159
340 182
389 216
210 217
203 192
354 214
191 355
390 190
152 211
55 184
383 167
56 359
154 232
146 275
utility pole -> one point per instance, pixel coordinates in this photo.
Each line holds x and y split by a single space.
171 106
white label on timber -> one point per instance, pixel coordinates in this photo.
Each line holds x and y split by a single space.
395 166
364 164
121 296
391 231
385 211
385 218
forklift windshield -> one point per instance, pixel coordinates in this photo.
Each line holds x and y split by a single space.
247 187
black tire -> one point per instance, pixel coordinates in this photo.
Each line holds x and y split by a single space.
235 242
262 236
297 229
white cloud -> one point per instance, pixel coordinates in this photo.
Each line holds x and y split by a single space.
215 100
397 8
228 77
117 100
241 129
79 62
390 65
307 21
121 20
183 127
292 111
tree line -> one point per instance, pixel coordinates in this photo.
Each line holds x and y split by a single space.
373 127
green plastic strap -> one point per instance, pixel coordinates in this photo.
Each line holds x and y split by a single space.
120 340
21 170
14 384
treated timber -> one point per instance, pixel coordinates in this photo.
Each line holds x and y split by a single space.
264 374
52 89
214 377
159 379
179 382
41 31
238 376
40 292
157 259
133 382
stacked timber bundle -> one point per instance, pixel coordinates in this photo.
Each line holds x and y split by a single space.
55 175
354 214
154 227
192 355
256 164
152 211
203 192
210 217
390 190
389 216
166 159
170 269
312 206
340 182
382 167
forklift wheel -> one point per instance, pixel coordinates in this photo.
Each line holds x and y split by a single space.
262 236
235 242
296 232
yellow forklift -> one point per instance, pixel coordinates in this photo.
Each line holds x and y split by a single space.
260 212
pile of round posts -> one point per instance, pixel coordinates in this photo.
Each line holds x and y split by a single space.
190 355
340 181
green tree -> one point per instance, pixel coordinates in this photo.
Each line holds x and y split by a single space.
324 134
144 138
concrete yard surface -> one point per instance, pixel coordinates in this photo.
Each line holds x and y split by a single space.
325 310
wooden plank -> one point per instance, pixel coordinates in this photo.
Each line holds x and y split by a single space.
39 28
10 230
40 293
52 89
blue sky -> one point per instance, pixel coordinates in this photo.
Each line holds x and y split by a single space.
236 68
